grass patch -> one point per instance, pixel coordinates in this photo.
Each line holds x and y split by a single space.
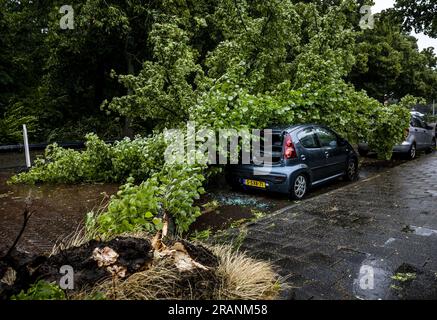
243 277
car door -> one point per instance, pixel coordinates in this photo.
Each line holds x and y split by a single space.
334 152
419 133
311 153
427 133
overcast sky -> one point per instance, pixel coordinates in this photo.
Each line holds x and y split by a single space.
423 40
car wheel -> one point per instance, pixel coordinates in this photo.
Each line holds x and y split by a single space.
352 170
299 187
363 153
413 152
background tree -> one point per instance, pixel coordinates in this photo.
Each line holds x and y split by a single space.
62 76
420 15
154 62
22 54
388 62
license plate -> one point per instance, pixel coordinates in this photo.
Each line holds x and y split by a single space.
254 183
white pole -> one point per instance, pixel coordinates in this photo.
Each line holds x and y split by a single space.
26 146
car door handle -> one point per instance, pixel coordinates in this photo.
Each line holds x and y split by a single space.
303 157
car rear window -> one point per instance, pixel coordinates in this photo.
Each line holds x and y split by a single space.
277 144
277 139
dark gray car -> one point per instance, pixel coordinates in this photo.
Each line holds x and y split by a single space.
302 156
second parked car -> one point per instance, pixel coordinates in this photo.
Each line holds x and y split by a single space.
418 137
303 156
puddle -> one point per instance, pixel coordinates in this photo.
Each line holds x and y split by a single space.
420 231
15 160
221 218
230 207
58 211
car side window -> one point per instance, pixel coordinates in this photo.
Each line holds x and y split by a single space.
308 139
326 138
416 123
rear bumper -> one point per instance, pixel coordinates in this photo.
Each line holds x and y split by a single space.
402 148
277 178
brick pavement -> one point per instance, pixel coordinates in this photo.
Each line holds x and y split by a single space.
388 222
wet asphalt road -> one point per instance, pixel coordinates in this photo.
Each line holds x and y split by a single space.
383 229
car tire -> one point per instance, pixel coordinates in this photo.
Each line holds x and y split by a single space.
352 170
412 153
299 187
363 153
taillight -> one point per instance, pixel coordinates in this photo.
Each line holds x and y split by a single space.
289 150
